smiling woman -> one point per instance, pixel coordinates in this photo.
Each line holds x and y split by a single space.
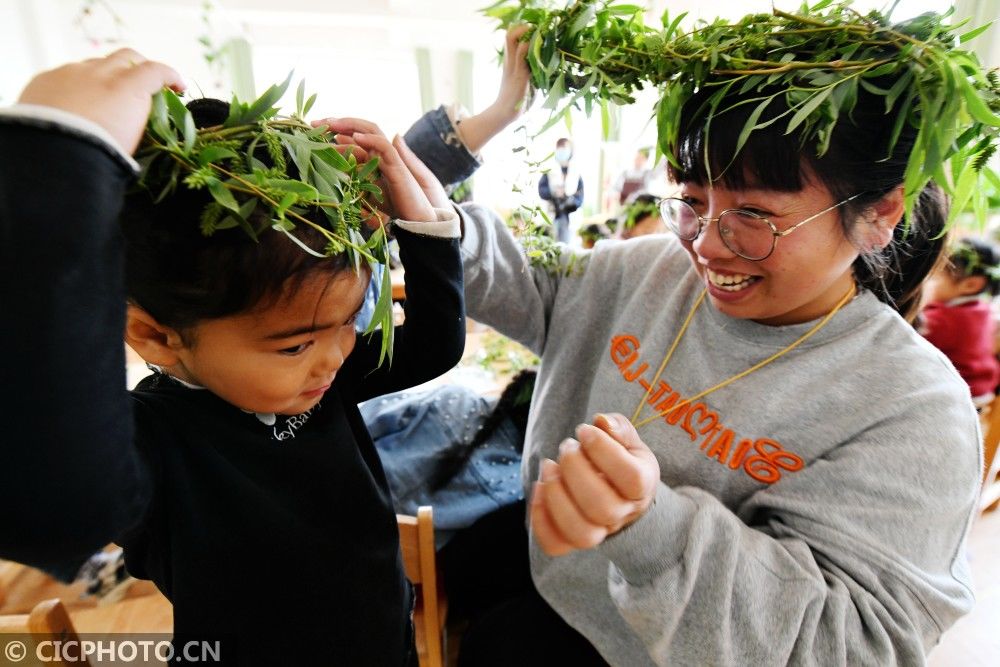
719 458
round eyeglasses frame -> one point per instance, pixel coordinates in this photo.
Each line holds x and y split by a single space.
705 221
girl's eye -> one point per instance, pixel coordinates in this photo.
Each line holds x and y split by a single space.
296 350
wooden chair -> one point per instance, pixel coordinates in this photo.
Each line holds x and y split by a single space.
416 541
50 618
990 497
9 572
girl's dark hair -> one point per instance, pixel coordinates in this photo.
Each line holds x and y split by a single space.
857 161
181 277
974 257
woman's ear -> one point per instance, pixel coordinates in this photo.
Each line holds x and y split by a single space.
875 232
155 343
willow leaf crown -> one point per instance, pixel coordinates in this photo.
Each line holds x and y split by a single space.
326 190
595 52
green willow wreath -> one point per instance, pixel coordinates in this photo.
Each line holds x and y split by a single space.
257 198
636 211
596 52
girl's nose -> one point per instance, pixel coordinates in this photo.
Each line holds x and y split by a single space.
330 361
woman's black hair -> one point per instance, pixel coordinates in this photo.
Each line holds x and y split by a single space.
182 277
858 161
971 257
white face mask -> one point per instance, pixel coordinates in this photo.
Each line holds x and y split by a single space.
563 155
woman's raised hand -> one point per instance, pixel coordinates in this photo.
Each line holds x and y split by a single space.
115 92
604 480
512 99
405 199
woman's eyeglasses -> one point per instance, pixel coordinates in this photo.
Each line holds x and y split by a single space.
748 234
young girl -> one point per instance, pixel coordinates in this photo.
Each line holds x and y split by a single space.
641 217
780 469
240 477
958 316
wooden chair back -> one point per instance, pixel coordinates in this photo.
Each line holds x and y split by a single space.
49 618
416 541
990 497
9 572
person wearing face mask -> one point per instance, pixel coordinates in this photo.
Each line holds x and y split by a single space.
562 188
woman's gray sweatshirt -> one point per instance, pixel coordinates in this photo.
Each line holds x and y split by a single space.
813 512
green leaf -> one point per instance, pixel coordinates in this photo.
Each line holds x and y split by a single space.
300 94
383 317
190 133
897 89
247 208
237 110
975 32
975 105
262 106
581 21
287 200
279 226
624 10
298 188
329 173
176 108
807 109
605 121
902 116
992 178
333 158
368 169
669 32
215 154
872 88
159 121
222 195
963 191
751 124
556 93
309 105
373 189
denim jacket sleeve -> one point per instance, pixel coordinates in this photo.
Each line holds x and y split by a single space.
435 140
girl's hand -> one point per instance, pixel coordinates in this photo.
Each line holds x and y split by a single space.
404 197
603 482
115 92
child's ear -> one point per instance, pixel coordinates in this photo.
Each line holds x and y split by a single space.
155 343
882 218
971 285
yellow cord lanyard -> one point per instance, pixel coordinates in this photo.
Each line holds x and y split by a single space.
680 334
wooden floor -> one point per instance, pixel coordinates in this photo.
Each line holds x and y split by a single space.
974 641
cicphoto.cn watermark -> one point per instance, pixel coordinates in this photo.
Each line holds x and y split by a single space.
105 650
